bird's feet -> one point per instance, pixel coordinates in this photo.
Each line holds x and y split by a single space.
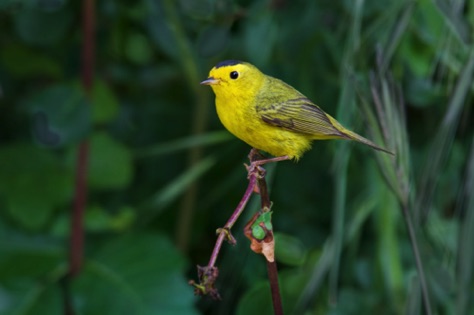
257 160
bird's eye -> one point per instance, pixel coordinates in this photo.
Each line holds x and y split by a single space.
234 75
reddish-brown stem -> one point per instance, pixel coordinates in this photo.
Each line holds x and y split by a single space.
271 265
233 218
88 47
76 246
208 275
274 287
80 193
80 199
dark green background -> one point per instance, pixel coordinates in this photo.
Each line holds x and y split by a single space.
164 174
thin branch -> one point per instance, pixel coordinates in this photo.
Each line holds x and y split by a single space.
419 263
271 264
208 275
80 194
262 245
76 246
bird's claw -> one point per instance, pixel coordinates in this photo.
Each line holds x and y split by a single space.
255 168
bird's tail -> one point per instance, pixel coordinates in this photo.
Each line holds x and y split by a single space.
353 136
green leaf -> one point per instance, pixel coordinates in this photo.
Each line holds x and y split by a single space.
159 29
18 255
293 282
135 274
138 49
110 163
455 20
257 300
61 114
97 219
289 250
29 272
23 62
104 103
37 183
40 27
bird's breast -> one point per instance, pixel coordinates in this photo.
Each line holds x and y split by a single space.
243 121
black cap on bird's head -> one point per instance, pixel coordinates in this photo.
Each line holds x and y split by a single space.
226 63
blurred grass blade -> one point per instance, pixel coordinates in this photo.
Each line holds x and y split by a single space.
413 305
316 278
454 18
466 249
392 118
159 201
325 261
397 33
345 110
442 142
386 220
184 143
380 135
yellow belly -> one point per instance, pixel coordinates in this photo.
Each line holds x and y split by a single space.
246 124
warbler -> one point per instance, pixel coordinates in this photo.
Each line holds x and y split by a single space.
269 114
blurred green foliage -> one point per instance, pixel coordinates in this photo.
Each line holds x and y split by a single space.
163 175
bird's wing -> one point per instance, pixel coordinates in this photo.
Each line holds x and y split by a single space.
299 115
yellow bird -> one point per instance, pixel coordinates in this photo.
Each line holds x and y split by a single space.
269 114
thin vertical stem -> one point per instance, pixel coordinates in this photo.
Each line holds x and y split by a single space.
274 287
271 265
80 193
419 264
80 199
76 245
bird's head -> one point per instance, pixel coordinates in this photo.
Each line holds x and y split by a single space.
233 78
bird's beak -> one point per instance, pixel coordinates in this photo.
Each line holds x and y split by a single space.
210 81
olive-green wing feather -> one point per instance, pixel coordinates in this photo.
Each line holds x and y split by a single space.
297 113
300 115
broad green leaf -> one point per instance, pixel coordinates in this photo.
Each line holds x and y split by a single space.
43 27
135 274
33 183
289 250
138 48
24 258
105 105
257 300
97 219
110 163
23 62
61 114
29 273
159 29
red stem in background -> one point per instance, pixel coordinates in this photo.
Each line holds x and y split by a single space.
88 47
80 193
80 200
